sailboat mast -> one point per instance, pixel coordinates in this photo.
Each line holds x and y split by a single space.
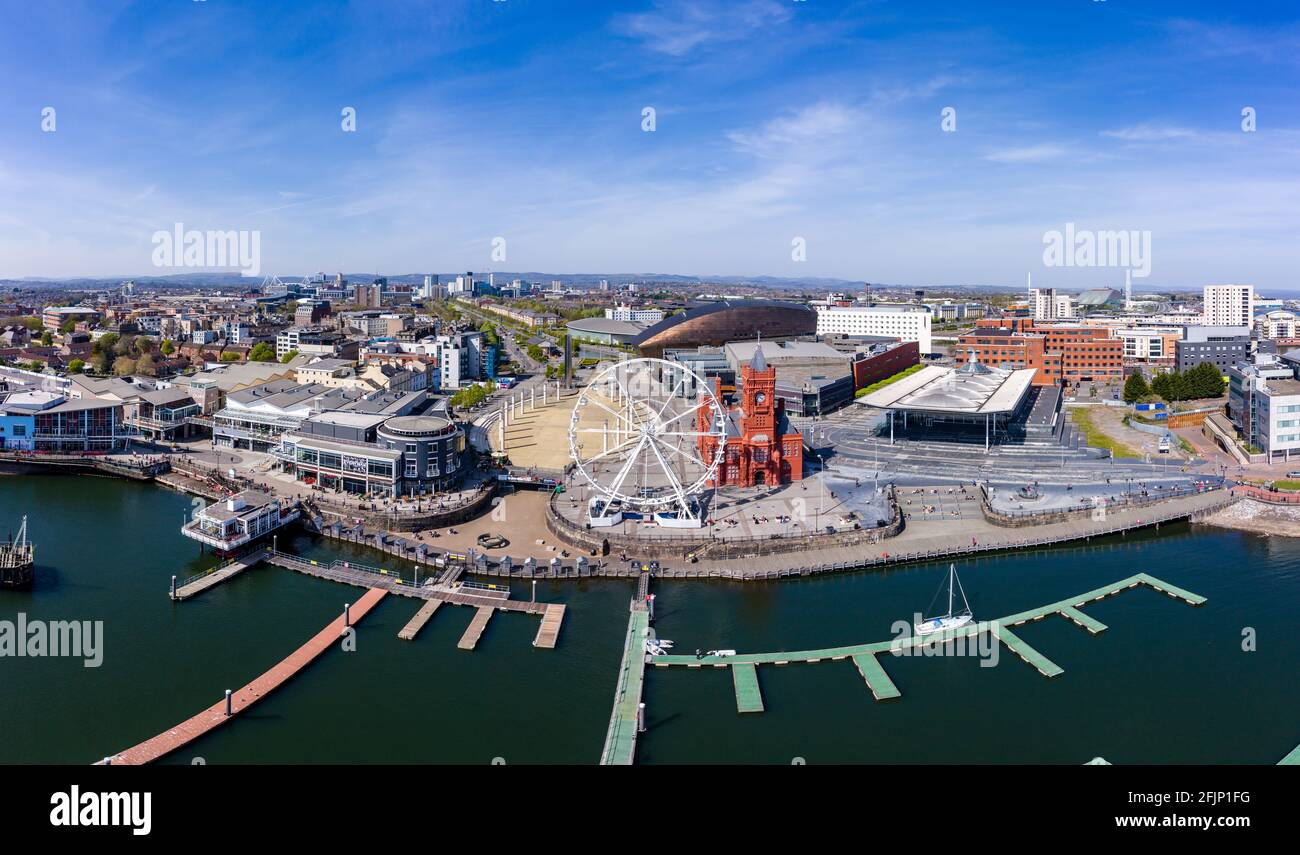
952 568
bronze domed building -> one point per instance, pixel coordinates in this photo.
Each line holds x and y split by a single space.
716 324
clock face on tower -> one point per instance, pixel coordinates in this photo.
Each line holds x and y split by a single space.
760 398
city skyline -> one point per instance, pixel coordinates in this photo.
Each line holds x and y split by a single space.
773 121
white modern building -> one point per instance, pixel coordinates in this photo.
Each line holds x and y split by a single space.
627 314
432 288
1279 323
1277 417
1228 305
459 358
1047 305
239 519
906 322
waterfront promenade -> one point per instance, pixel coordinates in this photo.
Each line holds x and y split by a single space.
930 539
220 713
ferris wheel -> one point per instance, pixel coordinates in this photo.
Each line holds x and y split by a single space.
638 440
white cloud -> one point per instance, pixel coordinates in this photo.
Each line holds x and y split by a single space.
678 27
1027 154
1149 132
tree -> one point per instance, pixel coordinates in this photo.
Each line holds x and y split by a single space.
230 356
68 326
76 366
262 352
1162 385
1135 388
47 339
289 357
168 347
1205 381
145 365
123 365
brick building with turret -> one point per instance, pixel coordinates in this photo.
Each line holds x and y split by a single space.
762 447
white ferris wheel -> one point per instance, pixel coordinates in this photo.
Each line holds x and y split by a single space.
636 439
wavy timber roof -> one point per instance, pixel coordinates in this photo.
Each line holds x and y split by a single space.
729 320
972 389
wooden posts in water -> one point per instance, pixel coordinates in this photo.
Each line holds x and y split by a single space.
347 614
227 703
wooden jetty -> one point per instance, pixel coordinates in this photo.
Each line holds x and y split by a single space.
474 631
549 632
446 588
211 578
625 720
415 624
744 667
748 696
882 688
222 711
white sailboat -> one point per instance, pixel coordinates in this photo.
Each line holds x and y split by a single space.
950 620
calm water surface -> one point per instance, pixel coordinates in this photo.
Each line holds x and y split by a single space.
1166 683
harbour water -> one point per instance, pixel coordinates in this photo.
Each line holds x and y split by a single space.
1165 683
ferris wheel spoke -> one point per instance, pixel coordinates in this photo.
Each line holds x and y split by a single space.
609 451
690 412
677 449
658 457
668 400
627 468
620 416
672 479
622 388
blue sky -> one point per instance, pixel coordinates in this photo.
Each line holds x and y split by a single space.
775 119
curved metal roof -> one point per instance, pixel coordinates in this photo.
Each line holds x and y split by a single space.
700 310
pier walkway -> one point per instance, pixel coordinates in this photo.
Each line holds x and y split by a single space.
474 631
625 720
200 583
865 656
215 715
487 599
549 632
415 624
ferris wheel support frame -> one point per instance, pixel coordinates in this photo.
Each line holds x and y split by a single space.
641 423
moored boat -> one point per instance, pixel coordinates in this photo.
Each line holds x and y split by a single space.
17 560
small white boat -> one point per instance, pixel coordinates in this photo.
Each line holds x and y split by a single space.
950 620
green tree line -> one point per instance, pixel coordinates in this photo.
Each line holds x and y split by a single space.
1203 381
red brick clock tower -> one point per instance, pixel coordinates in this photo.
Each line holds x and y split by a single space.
759 455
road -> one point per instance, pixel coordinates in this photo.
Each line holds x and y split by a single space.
846 441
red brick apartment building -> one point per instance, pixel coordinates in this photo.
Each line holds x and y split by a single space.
868 368
1067 355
